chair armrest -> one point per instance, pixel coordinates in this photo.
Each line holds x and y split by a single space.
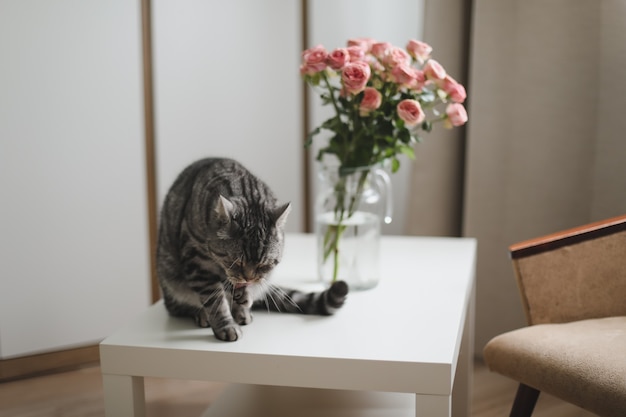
568 237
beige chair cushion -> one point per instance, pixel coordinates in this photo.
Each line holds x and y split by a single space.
582 362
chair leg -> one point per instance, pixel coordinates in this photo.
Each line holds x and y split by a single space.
525 401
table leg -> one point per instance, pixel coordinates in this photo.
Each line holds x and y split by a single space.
123 396
433 405
463 381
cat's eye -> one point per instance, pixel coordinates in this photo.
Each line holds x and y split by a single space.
236 266
264 269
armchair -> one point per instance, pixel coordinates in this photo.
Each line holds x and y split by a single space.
573 290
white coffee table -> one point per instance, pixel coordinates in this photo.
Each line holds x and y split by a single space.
403 348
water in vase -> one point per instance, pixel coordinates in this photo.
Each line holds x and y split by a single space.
357 253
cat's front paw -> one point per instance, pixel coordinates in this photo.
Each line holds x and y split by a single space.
228 333
241 314
241 296
202 319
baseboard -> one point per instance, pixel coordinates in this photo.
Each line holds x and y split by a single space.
48 362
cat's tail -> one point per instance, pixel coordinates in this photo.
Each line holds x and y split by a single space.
322 303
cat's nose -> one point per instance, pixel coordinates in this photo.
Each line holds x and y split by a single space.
249 274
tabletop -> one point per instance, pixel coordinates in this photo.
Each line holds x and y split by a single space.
402 336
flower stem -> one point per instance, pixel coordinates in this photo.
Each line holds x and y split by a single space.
359 191
331 91
334 232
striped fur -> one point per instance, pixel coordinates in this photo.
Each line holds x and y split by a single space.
324 303
220 237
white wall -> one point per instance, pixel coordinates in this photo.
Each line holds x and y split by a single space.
73 239
227 84
332 23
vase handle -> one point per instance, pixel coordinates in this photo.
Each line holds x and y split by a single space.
384 182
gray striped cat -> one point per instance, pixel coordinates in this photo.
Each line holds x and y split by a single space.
220 237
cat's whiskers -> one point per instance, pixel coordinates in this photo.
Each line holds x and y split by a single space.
239 259
216 294
206 299
267 292
284 297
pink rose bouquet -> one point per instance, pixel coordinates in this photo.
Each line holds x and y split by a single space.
383 97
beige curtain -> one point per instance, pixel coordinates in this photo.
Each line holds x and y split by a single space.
546 142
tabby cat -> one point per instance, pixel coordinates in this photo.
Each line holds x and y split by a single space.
220 237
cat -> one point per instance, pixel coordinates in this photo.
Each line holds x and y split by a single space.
221 234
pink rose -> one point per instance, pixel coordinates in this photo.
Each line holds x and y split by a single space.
411 112
338 58
380 49
396 56
408 76
372 99
419 50
378 68
455 90
355 76
356 53
457 116
420 79
364 44
313 60
434 71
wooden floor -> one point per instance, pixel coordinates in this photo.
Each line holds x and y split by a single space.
78 393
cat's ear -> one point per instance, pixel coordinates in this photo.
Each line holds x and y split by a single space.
224 209
281 213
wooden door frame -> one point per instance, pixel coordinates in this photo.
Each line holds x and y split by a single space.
150 141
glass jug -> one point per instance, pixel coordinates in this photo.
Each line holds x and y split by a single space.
350 205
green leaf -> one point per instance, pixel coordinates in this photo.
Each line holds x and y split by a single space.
395 165
309 138
315 79
404 136
408 151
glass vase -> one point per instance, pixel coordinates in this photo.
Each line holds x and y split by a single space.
350 206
